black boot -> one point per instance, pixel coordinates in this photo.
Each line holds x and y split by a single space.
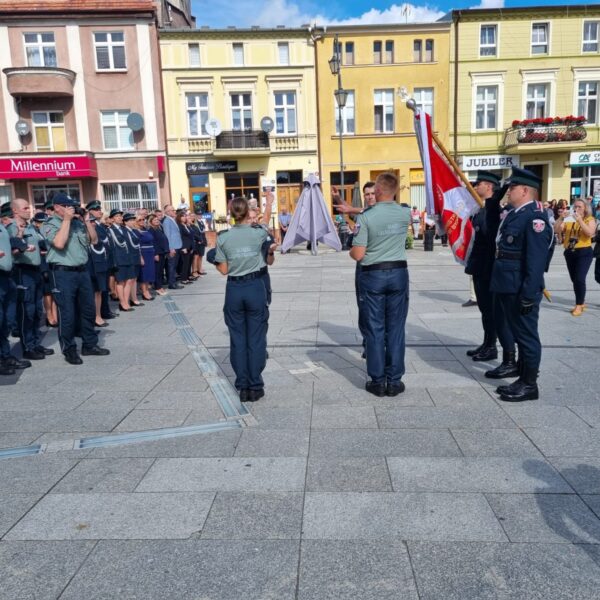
508 367
501 389
475 351
526 390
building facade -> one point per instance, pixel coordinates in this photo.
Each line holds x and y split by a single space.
520 79
80 103
381 66
240 113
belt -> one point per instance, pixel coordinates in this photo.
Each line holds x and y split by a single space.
55 267
147 247
383 266
26 267
508 255
249 276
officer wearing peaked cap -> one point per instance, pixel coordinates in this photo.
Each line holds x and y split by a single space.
522 245
99 259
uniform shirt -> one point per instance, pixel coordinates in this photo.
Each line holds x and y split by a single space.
6 261
240 247
573 230
75 252
382 228
32 238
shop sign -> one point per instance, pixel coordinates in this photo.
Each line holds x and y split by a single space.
489 161
416 176
221 166
48 167
585 158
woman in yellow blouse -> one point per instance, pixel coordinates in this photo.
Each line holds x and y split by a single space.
577 228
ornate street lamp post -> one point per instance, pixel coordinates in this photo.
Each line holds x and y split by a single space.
341 96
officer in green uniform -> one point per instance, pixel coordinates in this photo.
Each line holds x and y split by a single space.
239 255
379 245
69 239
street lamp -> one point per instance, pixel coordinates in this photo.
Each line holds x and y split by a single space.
341 96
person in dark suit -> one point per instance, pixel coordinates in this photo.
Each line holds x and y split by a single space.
161 249
187 247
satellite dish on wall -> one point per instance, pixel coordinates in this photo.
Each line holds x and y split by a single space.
135 121
22 128
267 124
213 127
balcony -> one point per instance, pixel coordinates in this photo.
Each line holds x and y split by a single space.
237 143
530 138
293 143
47 82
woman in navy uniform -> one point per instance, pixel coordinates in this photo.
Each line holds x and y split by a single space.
187 247
123 260
239 255
161 249
147 275
99 259
132 237
197 227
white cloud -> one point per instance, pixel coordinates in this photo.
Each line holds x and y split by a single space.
490 4
396 13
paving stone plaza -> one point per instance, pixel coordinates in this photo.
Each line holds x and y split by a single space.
319 491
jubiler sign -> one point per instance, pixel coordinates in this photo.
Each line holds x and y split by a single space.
489 161
47 167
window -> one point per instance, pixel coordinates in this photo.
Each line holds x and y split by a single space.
285 112
283 49
43 192
110 51
197 113
347 116
590 36
242 184
194 55
384 111
424 99
539 38
241 112
488 40
49 128
428 50
349 54
115 132
238 54
130 196
40 49
389 51
537 101
587 100
418 51
377 53
5 194
486 107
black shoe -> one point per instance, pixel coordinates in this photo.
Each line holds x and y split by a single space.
488 353
100 324
475 351
94 351
51 325
524 391
394 389
15 363
175 287
6 369
244 395
43 350
364 355
254 395
110 315
14 333
126 309
469 303
508 367
137 303
377 389
34 355
267 354
73 358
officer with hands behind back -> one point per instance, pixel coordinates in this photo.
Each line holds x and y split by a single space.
522 245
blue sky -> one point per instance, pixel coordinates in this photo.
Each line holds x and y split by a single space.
292 13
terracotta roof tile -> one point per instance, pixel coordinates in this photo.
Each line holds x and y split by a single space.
73 6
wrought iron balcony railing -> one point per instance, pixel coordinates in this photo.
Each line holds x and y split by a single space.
244 140
543 134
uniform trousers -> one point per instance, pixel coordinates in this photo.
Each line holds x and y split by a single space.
247 318
6 285
385 303
159 272
485 303
505 336
524 328
172 262
361 312
74 297
29 283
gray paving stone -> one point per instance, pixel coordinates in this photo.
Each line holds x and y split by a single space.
367 474
545 416
113 400
551 518
343 417
32 474
410 397
13 439
431 418
13 507
369 570
281 418
503 475
225 474
555 441
139 420
464 396
215 569
494 442
114 516
593 501
39 570
177 400
270 442
456 571
582 474
254 516
400 442
104 475
375 515
590 414
74 420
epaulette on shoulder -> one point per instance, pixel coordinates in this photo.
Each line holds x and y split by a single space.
539 206
257 226
222 231
366 209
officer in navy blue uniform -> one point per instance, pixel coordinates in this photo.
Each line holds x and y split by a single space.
522 245
99 261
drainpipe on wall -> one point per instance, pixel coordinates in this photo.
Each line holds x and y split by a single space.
164 119
455 19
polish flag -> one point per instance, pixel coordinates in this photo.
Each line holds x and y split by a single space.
446 198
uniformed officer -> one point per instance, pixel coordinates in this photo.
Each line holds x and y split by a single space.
28 277
7 218
69 238
239 256
133 243
49 306
99 259
380 246
122 259
522 247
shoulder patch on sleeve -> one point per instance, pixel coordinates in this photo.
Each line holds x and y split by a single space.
538 225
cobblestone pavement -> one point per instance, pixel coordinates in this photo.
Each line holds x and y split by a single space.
324 492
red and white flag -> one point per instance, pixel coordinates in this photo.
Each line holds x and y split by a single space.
447 199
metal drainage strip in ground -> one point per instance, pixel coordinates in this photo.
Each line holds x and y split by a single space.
21 451
153 434
219 385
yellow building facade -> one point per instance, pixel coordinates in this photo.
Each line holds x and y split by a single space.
240 110
380 67
516 74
